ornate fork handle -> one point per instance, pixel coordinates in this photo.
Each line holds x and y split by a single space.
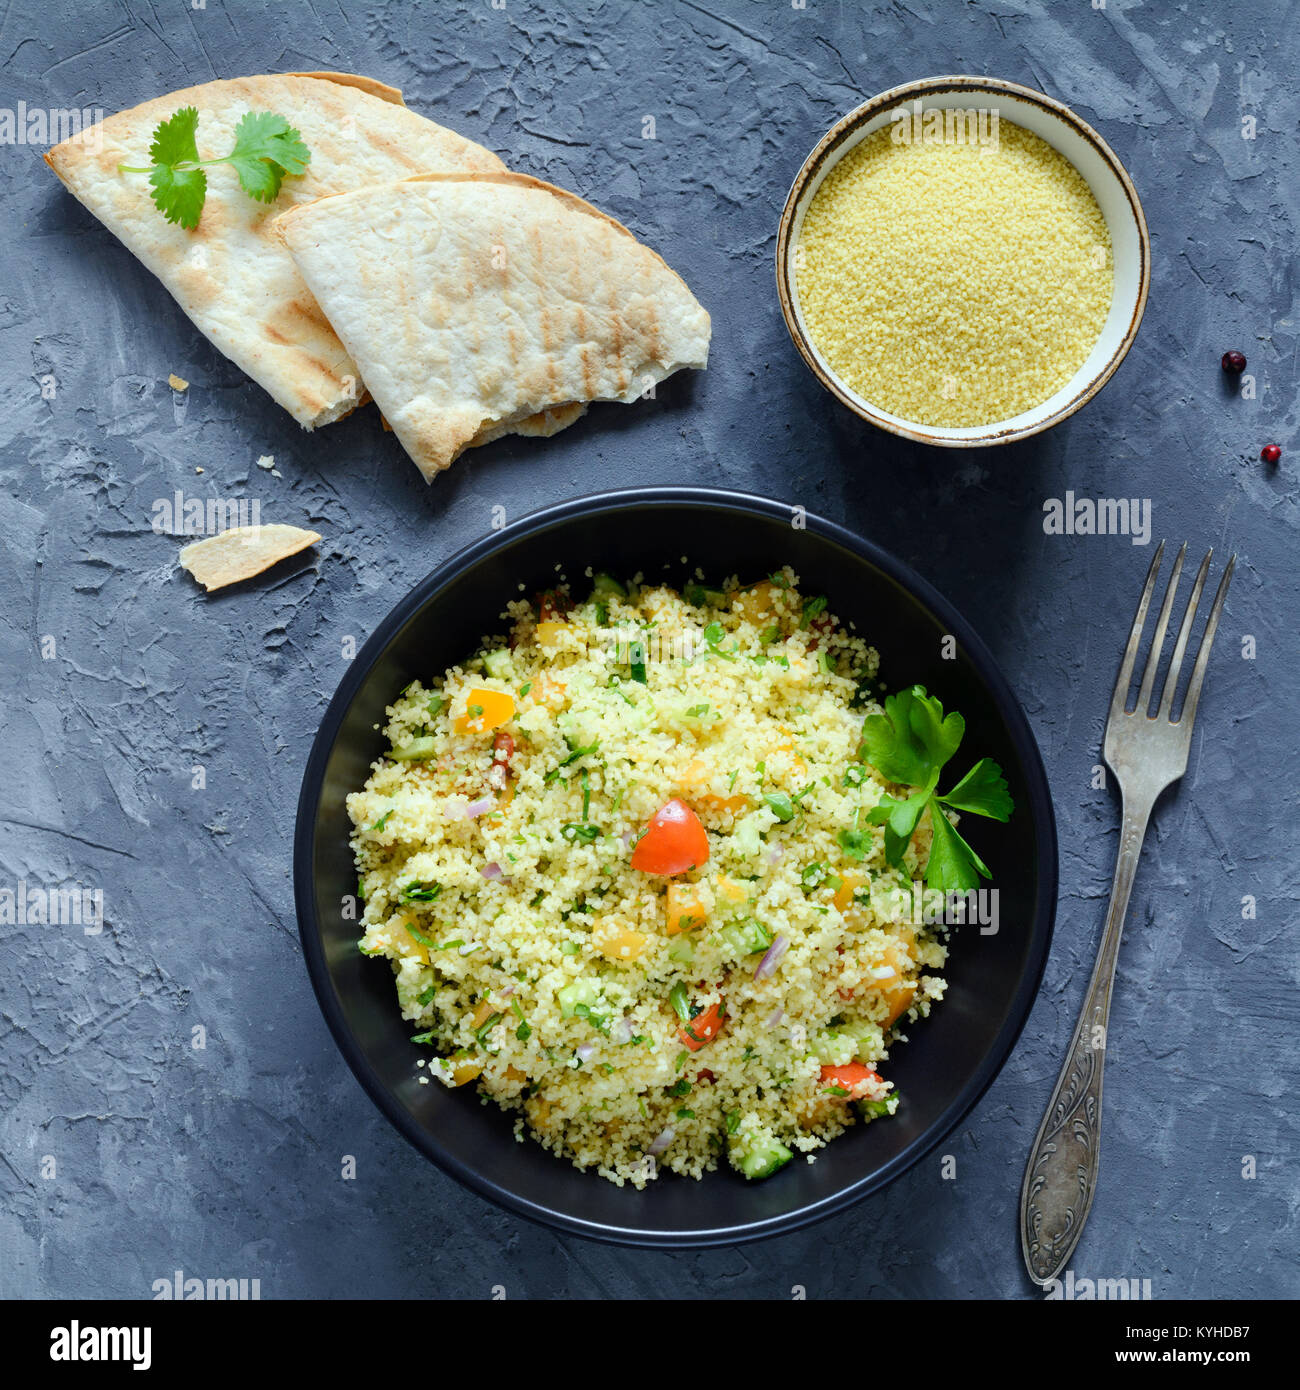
1061 1176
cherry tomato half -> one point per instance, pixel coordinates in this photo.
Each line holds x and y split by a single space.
673 842
503 749
702 1028
853 1078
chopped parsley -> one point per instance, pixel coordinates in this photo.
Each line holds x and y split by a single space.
488 1025
579 832
780 805
909 744
812 608
418 892
570 758
266 148
677 997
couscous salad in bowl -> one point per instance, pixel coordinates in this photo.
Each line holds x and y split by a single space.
664 864
629 865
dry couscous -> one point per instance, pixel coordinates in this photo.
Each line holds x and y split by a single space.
638 882
954 283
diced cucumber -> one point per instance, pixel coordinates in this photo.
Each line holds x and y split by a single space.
579 992
833 1049
878 1109
701 596
607 584
747 837
744 938
759 1153
498 664
416 750
682 950
692 708
868 1040
568 726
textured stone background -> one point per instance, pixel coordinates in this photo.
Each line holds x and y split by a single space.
225 1162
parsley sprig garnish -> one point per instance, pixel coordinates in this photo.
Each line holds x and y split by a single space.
910 744
266 148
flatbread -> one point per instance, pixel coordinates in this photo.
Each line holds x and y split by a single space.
242 552
232 277
476 304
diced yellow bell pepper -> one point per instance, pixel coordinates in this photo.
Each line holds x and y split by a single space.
617 942
549 633
486 1008
897 991
485 710
549 692
850 881
697 775
686 908
405 944
797 764
729 891
465 1072
757 602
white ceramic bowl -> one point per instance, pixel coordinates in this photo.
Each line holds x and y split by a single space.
1071 137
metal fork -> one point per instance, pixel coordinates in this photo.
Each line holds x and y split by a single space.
1146 753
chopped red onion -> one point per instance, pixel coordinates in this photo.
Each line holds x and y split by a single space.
623 1030
661 1141
479 807
775 854
775 1019
493 870
585 1052
767 966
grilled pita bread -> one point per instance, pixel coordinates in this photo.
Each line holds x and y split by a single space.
481 304
232 277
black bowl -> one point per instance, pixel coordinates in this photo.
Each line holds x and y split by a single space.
952 1057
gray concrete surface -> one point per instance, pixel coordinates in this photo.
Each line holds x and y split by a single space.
120 677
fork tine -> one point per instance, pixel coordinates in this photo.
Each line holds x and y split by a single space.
1188 713
1158 642
1184 632
1119 700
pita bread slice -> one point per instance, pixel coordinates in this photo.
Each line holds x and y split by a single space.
478 304
241 552
232 277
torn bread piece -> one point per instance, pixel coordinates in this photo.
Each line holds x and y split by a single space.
242 552
230 275
482 304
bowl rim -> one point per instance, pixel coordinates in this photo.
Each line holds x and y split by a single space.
830 144
623 500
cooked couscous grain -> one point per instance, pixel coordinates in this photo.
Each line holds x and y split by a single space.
954 283
622 866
